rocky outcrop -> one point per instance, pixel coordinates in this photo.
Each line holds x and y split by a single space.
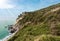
11 28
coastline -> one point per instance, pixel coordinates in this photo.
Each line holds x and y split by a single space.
10 36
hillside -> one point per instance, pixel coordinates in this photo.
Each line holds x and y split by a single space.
39 25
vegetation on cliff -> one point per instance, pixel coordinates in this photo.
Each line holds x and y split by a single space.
39 25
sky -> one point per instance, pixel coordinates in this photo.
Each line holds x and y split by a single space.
10 9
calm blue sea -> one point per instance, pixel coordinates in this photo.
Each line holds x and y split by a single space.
3 29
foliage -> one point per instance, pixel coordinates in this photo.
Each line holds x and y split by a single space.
44 21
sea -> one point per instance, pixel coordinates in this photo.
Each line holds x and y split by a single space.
4 28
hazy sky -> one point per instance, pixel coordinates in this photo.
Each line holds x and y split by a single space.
10 9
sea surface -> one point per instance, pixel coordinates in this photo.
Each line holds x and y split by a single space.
4 29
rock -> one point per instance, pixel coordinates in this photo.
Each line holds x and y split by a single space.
11 29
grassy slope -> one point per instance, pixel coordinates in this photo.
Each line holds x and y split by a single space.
39 28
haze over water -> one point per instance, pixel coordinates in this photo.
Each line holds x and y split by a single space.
3 29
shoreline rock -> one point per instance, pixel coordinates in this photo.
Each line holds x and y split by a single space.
11 29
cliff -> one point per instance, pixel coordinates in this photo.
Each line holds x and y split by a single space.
39 25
